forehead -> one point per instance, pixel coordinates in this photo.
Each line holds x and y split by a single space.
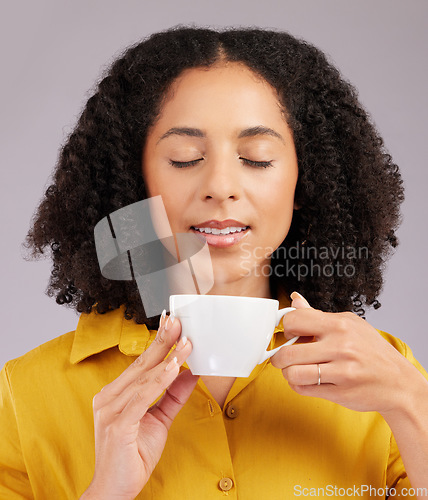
227 90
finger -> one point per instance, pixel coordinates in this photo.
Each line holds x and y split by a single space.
309 321
301 340
298 301
148 386
303 354
298 375
165 339
150 390
167 408
324 391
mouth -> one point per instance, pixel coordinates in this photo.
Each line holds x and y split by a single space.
221 238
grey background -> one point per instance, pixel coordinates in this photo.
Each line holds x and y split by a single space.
52 52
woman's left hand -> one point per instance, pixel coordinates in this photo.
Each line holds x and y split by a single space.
358 368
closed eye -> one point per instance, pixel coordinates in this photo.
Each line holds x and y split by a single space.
184 164
256 163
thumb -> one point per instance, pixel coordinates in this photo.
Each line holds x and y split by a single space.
298 301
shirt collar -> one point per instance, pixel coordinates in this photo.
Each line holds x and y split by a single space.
96 333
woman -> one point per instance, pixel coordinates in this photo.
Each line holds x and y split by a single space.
258 127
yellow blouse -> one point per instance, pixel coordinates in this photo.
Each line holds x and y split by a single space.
267 442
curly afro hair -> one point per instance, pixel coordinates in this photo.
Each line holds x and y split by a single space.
349 191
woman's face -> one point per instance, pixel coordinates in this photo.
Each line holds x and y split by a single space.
221 149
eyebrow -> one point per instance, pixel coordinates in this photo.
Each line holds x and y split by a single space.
248 132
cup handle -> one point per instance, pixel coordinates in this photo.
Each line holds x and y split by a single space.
279 314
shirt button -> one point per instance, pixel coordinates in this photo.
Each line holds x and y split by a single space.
232 411
225 483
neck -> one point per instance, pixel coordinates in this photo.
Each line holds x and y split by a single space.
243 287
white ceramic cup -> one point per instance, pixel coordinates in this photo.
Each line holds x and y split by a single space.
229 334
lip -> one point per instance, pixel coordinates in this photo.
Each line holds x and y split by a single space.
215 224
222 240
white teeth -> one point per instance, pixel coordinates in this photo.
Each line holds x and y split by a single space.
226 230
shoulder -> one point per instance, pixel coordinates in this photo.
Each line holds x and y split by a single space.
94 333
60 360
46 357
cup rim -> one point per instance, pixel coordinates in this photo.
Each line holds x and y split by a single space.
241 297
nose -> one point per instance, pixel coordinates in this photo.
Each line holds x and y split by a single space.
221 179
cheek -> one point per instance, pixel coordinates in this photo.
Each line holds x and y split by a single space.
155 182
282 213
153 178
278 208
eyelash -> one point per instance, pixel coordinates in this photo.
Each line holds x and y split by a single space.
184 164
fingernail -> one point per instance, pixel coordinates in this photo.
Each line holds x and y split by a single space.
298 294
171 364
181 343
169 321
162 317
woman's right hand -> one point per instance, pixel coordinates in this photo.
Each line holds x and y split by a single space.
130 435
